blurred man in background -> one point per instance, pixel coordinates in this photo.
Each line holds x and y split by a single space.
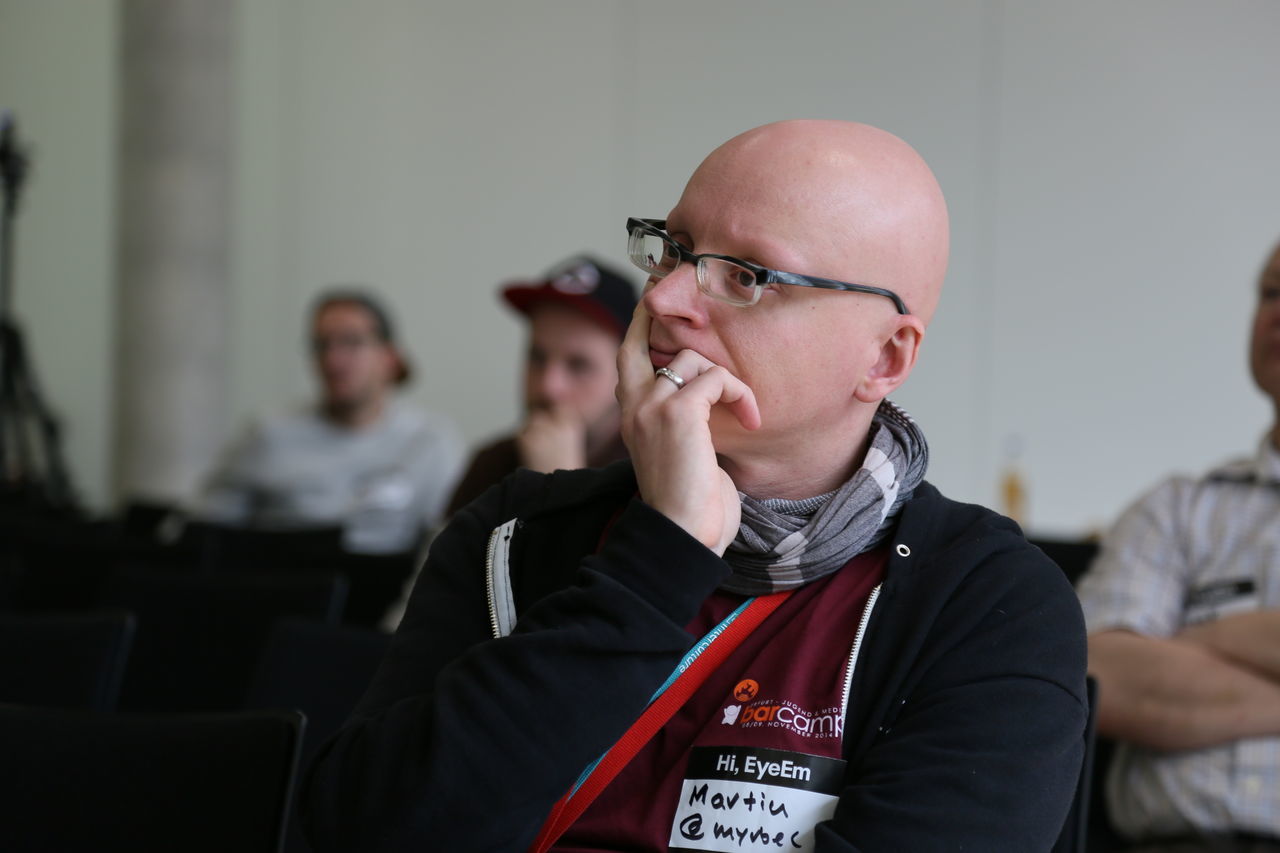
577 314
1183 611
359 457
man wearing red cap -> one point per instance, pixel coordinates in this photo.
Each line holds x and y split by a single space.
577 316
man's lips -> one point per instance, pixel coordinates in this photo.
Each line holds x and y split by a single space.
660 358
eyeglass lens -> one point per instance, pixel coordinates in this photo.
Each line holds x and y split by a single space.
342 343
651 253
722 279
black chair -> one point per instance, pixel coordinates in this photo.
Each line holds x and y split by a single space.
55 563
1103 836
1075 835
11 571
83 781
68 660
201 636
257 549
143 519
322 671
374 581
1072 556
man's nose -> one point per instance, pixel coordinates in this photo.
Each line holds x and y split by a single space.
676 295
553 383
330 358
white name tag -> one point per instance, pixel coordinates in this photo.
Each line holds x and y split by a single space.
737 798
1222 598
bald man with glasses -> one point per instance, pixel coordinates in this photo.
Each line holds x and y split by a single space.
766 630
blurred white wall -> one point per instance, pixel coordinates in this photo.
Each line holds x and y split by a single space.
1110 170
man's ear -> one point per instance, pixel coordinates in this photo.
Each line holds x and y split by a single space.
394 367
897 357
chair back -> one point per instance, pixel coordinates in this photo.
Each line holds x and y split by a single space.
201 636
319 669
80 781
1072 556
374 581
256 549
322 671
1074 837
64 660
55 564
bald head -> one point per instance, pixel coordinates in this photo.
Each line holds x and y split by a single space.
860 202
822 199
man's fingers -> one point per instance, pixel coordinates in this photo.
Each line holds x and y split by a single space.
565 415
738 397
710 385
636 378
718 385
634 367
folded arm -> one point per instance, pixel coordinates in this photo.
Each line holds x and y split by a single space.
1251 640
1174 694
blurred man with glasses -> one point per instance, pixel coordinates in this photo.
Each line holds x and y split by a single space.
577 315
764 631
358 458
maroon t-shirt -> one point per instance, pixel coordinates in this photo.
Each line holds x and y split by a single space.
753 760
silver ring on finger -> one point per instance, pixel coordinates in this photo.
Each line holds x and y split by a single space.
676 378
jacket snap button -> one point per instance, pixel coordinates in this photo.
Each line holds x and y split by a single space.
903 551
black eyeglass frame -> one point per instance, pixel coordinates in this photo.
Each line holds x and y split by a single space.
764 275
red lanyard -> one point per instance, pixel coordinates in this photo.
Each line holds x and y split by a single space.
571 806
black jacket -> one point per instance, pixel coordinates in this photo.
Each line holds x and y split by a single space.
965 717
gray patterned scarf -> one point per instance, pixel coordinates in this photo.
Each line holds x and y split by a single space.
784 544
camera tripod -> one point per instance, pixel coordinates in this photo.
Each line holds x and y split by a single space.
32 473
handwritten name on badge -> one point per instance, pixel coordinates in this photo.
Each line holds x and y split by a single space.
738 798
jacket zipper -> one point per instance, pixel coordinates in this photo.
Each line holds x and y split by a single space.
857 647
488 581
497 579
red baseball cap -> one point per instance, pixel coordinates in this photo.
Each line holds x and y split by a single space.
603 294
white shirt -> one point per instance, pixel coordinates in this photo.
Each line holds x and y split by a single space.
1190 551
385 483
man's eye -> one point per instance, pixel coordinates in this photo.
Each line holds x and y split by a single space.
740 278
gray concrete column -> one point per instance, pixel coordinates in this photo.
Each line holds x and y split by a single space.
173 243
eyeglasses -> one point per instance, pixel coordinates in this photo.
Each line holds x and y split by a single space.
722 277
343 343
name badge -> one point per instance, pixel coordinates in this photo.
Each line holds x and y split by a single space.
1219 599
737 798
